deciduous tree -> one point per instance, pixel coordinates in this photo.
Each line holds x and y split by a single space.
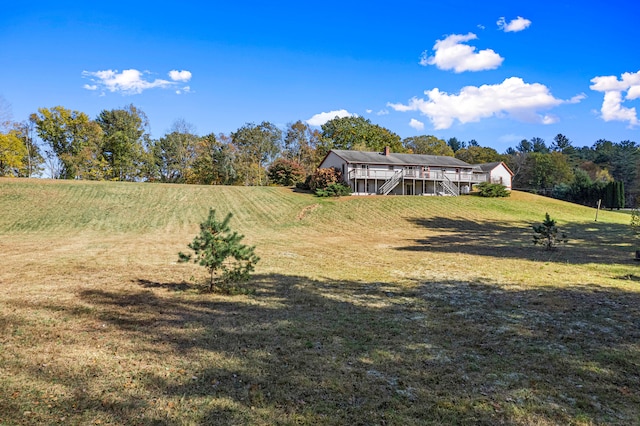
257 146
286 172
300 144
12 154
71 135
175 153
358 133
215 162
479 155
125 137
33 161
427 144
543 171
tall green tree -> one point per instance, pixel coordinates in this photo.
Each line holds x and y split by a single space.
456 144
543 171
358 133
614 195
215 162
125 141
623 163
479 155
524 146
73 138
427 144
603 150
175 153
562 144
257 146
539 145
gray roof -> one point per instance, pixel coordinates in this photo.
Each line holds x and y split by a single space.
487 167
364 157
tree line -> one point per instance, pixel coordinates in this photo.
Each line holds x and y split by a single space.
116 145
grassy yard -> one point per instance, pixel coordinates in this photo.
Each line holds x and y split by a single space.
367 310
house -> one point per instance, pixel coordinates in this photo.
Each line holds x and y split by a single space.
498 172
383 173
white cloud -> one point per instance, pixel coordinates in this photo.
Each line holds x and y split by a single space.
612 108
633 93
451 54
323 117
185 89
518 24
183 76
369 111
512 98
383 112
129 82
416 124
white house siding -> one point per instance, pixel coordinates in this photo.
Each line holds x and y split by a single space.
501 175
332 161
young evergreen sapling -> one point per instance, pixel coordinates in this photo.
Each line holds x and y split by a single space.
546 234
219 250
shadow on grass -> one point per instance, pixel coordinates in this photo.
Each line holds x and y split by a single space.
324 352
629 277
588 242
182 286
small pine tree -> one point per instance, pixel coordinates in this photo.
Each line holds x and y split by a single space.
219 250
621 199
609 195
546 234
614 195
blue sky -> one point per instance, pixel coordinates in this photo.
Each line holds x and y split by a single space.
496 72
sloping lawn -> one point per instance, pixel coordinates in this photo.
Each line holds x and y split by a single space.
366 310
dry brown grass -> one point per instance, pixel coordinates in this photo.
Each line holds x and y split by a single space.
371 310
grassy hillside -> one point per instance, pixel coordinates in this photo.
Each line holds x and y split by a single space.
368 310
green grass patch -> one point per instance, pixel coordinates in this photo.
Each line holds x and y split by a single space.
367 310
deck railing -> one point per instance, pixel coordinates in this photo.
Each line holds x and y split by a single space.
431 175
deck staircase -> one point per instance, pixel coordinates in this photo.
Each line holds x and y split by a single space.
388 186
448 187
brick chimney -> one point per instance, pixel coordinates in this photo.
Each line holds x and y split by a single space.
387 150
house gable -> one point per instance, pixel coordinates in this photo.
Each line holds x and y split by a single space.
498 172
